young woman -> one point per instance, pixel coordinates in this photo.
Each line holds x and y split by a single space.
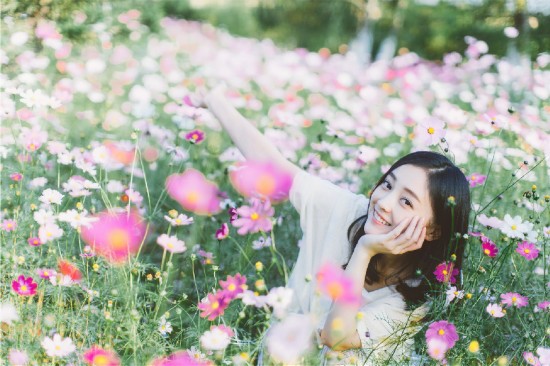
389 245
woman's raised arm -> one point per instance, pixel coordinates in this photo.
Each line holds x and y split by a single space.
251 142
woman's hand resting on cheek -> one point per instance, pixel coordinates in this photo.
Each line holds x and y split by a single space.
409 235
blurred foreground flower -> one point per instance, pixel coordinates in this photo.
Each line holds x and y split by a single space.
97 356
194 192
181 358
332 281
8 313
115 236
290 339
263 180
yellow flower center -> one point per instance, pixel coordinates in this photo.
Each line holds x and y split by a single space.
487 251
195 136
265 185
192 197
118 239
431 130
100 360
254 216
170 245
445 272
514 227
335 290
441 332
526 251
231 287
514 299
57 347
24 288
215 305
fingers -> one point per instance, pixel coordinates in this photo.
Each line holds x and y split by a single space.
399 228
413 237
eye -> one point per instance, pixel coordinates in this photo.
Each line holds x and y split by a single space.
407 202
386 185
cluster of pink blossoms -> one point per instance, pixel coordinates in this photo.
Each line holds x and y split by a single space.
441 336
215 304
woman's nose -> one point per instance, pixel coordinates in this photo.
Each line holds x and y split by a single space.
385 203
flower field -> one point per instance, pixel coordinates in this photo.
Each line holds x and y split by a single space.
133 233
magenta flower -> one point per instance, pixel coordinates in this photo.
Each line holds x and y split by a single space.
544 305
489 248
445 272
476 179
181 358
233 215
214 305
96 356
195 136
443 331
9 225
222 232
24 286
527 250
194 192
16 177
332 281
254 218
34 241
115 236
514 299
430 131
234 286
259 179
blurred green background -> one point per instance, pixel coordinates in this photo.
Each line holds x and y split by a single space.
379 28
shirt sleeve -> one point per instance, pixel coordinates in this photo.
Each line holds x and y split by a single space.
326 211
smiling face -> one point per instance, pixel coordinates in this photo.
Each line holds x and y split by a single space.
404 193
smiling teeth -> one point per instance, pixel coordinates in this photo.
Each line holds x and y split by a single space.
377 217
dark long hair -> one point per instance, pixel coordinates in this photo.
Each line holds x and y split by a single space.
450 220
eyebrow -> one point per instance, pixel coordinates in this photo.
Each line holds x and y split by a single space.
405 188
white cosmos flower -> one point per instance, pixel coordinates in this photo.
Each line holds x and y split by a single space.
215 340
77 219
8 313
49 232
57 346
515 227
51 196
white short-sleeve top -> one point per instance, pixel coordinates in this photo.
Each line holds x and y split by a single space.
326 212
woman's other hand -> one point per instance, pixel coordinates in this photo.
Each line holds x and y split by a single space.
409 235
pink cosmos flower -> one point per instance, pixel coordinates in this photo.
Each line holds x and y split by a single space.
115 236
19 358
443 331
437 349
181 358
445 272
233 286
527 250
476 179
46 272
222 232
9 225
24 286
544 305
514 299
233 215
194 192
34 241
430 131
206 256
96 356
259 179
488 247
254 218
195 136
332 281
16 177
214 305
531 359
171 243
495 310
